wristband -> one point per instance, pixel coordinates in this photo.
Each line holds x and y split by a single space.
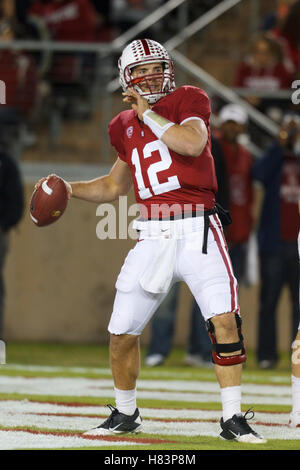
157 123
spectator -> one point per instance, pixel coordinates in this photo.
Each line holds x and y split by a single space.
15 10
288 33
276 17
105 31
20 75
264 70
71 75
233 122
279 172
163 323
68 20
7 9
11 209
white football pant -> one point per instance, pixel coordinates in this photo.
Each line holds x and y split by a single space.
169 252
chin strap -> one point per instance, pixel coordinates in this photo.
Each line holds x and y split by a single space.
218 348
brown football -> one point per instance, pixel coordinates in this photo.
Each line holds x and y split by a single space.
48 201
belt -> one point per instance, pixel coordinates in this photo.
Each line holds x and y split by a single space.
184 215
207 213
223 214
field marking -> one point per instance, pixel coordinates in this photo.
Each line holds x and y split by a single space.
272 426
54 423
100 412
10 440
146 372
75 370
147 389
161 421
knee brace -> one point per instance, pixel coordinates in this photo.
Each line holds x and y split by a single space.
218 348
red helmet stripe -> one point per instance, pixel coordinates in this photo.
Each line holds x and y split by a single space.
145 46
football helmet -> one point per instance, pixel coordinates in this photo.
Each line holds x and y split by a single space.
146 51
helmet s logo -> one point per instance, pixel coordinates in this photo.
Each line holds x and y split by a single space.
129 132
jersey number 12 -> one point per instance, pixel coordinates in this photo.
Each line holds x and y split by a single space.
172 182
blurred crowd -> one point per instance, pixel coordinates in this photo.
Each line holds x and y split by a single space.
45 83
273 61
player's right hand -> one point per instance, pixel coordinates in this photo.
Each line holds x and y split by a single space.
138 103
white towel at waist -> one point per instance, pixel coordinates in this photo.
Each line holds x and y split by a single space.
158 276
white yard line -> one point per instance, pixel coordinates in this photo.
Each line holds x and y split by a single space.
46 415
152 372
10 440
93 386
13 416
147 389
11 407
71 370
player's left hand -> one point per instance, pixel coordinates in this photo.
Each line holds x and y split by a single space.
68 186
138 103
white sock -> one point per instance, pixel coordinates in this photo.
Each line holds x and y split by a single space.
296 394
126 401
231 401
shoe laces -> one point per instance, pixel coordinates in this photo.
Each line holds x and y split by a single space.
242 419
249 414
114 412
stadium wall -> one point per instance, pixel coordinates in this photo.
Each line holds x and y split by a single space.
60 283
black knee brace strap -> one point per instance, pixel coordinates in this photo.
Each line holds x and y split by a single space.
218 348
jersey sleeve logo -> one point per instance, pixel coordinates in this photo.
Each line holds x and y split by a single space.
129 132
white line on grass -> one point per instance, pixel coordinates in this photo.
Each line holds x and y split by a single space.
270 428
10 440
146 372
147 389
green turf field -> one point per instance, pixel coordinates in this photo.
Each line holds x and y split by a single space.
50 394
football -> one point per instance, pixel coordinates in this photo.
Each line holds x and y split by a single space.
48 201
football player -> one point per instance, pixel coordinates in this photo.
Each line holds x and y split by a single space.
164 149
294 421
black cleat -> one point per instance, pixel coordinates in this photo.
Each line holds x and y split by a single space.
237 429
118 423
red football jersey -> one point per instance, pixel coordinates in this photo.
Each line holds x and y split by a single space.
289 197
161 176
70 20
238 165
259 78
